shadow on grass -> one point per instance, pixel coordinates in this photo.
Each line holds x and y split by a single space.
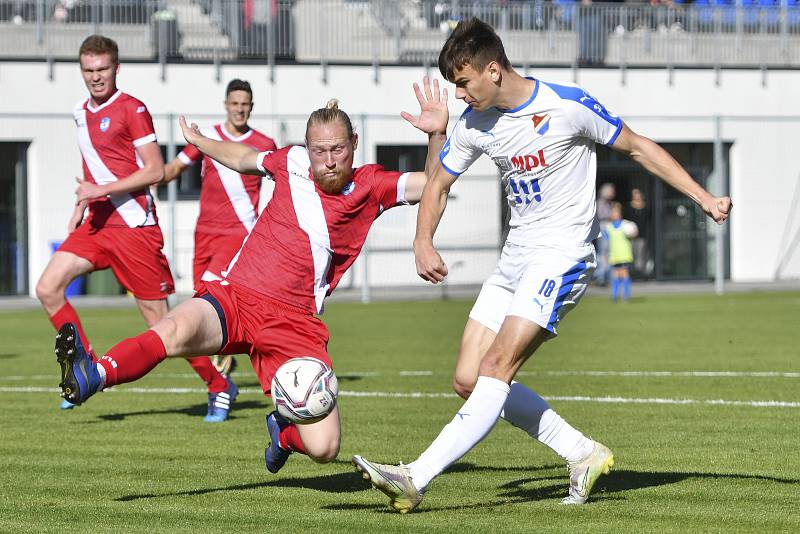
335 483
349 378
9 355
620 481
197 410
608 488
523 490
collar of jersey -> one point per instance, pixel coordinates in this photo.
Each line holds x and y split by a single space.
236 138
527 102
104 104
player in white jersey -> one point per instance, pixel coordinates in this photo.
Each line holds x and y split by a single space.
542 137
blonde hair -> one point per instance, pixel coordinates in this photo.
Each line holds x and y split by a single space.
330 113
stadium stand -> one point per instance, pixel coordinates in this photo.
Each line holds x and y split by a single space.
740 33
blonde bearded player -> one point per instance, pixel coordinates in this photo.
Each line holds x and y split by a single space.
303 242
230 201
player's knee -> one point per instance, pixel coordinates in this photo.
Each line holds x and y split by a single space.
168 329
325 451
463 385
47 291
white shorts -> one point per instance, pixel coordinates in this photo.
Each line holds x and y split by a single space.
536 283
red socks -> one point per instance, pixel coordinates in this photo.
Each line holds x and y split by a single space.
133 358
67 314
289 439
205 369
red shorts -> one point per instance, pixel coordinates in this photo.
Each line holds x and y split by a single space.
134 255
212 254
269 330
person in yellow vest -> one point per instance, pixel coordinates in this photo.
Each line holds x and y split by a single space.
619 233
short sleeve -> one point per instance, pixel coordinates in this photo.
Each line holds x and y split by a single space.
190 155
267 162
140 124
458 153
588 116
388 186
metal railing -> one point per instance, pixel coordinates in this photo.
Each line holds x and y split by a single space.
560 33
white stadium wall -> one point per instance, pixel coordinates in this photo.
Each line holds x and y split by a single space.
762 122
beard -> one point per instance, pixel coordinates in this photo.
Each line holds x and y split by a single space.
333 185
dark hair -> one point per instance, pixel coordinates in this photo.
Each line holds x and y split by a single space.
330 113
238 85
473 43
97 45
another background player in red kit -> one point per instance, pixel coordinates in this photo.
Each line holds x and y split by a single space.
121 160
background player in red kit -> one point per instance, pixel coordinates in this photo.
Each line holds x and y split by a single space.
305 239
121 160
229 200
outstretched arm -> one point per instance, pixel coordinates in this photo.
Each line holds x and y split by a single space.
432 120
236 156
657 161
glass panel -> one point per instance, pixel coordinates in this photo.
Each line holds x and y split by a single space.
13 264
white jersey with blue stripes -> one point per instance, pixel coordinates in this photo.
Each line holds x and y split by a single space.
545 151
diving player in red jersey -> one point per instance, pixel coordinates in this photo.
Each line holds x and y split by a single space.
229 200
121 160
308 235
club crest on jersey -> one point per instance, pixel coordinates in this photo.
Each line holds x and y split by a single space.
105 124
348 188
541 123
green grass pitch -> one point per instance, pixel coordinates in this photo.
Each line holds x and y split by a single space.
670 383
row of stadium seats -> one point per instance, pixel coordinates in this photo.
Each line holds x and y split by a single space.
404 31
78 11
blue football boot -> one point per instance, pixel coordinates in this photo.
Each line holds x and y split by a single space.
275 455
219 404
80 378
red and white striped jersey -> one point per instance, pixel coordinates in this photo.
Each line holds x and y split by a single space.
228 199
108 137
305 239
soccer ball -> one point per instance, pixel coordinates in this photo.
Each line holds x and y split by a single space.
304 390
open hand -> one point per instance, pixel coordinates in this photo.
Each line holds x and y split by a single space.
433 112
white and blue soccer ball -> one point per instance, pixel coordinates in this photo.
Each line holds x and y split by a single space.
304 390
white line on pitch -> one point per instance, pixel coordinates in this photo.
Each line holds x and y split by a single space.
433 395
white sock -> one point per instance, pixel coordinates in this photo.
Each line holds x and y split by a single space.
525 409
470 425
102 371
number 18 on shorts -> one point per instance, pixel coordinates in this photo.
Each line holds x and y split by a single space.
537 283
